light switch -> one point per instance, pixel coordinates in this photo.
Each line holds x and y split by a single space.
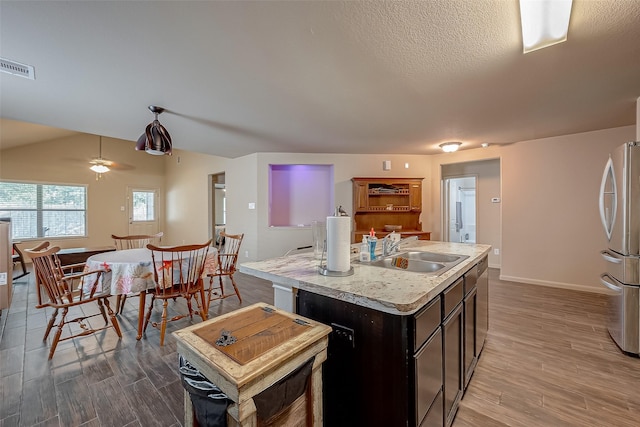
386 165
252 205
122 208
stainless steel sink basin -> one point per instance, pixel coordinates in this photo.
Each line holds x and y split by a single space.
431 263
433 257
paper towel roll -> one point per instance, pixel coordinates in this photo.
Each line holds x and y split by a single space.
338 243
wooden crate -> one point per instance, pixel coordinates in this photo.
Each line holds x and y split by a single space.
270 344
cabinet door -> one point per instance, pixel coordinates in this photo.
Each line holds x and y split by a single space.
452 328
415 196
360 196
428 365
470 331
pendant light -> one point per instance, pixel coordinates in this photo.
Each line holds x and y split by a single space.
100 165
155 139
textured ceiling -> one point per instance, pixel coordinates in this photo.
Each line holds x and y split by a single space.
317 76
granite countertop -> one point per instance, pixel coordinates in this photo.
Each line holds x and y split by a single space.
388 290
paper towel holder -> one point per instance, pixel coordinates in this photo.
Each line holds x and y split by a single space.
323 270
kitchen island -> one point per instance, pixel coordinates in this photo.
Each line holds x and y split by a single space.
404 344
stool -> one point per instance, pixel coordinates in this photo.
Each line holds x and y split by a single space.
249 350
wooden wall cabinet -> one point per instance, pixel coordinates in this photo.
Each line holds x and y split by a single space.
387 201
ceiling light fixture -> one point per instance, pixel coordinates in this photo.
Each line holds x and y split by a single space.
450 147
544 23
155 140
100 165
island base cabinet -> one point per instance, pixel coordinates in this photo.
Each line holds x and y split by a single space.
366 374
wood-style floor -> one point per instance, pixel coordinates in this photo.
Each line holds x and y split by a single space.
548 361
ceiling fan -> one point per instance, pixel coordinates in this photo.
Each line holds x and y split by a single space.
100 165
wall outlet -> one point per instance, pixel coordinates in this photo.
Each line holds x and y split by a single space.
252 205
344 334
496 251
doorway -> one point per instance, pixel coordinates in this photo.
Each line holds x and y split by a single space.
217 205
460 209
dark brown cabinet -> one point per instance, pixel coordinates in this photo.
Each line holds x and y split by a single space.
385 369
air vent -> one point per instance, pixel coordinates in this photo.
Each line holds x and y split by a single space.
17 69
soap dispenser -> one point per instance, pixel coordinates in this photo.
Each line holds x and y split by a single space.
364 250
373 240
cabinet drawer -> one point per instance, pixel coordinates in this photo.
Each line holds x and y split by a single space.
452 296
428 363
426 321
470 279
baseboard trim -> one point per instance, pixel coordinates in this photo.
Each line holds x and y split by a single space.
561 285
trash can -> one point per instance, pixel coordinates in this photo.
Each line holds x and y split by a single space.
209 402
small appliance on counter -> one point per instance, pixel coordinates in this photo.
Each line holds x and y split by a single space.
620 214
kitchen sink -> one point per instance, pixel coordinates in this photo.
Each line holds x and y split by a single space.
433 257
431 263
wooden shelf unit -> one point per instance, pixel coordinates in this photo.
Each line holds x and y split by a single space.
381 201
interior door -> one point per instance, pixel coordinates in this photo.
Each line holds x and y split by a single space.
143 210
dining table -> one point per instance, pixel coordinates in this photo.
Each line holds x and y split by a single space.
129 272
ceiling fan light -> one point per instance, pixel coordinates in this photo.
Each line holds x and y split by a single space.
99 168
450 147
544 23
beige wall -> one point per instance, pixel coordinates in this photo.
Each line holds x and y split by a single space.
550 231
66 161
488 221
275 241
187 196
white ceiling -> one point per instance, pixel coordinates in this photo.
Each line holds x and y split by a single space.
239 77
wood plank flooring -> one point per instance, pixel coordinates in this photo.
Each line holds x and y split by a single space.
548 361
97 380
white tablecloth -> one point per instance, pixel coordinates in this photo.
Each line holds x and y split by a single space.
131 270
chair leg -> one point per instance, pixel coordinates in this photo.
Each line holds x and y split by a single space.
120 300
104 314
50 324
203 309
163 325
148 316
233 282
56 338
114 320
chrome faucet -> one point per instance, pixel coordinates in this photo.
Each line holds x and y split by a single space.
389 246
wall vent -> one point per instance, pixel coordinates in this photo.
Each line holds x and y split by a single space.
17 69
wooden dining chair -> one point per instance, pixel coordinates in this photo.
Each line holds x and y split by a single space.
228 250
135 241
177 272
66 291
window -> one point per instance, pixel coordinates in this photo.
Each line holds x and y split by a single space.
44 210
144 205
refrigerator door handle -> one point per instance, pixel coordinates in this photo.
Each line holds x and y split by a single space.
609 284
608 211
608 256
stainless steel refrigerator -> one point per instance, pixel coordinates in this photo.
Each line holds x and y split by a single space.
620 215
